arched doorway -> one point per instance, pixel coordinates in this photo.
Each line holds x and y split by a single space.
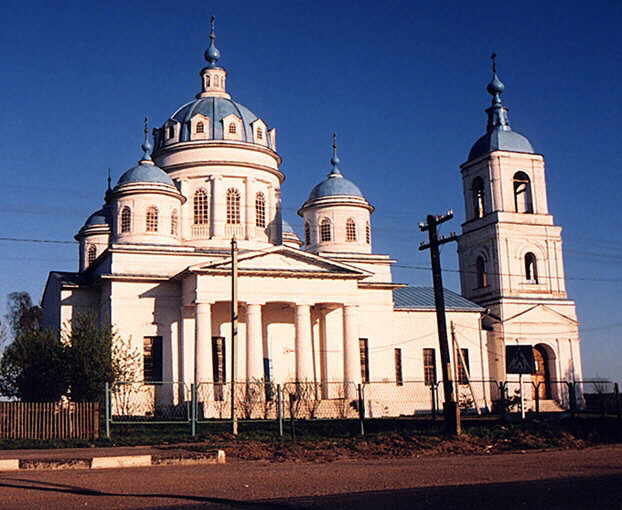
542 377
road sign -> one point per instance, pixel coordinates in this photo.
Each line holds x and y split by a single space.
519 359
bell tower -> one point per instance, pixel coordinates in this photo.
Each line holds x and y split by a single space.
510 250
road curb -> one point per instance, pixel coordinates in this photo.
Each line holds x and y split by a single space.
113 461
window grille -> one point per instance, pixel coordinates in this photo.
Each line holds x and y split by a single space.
91 254
463 368
399 377
233 206
307 234
429 367
200 128
367 233
232 128
152 219
350 230
259 133
126 219
200 205
260 210
363 348
325 230
174 221
219 367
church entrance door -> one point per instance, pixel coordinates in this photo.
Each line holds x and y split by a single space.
542 378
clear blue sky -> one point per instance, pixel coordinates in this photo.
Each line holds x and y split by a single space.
402 83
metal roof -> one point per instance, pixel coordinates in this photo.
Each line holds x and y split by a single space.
408 298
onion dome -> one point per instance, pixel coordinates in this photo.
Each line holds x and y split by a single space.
221 118
97 218
499 135
335 183
146 171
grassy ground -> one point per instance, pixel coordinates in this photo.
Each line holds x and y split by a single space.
332 440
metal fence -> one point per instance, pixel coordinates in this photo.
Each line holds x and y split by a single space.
208 402
49 420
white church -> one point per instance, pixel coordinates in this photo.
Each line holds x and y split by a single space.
155 263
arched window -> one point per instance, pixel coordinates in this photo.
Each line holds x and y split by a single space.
482 273
232 128
233 206
207 81
350 230
325 230
259 133
126 219
152 219
171 131
91 254
367 233
199 203
200 128
260 210
522 193
307 233
174 221
531 268
216 81
479 207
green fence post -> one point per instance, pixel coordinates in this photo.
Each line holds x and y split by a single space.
433 393
107 411
537 386
572 398
361 407
193 409
279 408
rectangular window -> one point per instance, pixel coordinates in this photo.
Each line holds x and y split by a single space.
152 359
463 369
399 378
364 360
219 365
429 367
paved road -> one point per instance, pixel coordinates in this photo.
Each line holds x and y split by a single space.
565 479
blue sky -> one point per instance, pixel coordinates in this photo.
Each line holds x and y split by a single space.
402 83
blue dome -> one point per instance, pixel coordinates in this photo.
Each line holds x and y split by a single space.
500 140
145 172
97 218
335 185
216 109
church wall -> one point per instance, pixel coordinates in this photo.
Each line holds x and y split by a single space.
162 264
213 152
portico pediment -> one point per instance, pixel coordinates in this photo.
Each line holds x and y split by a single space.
283 260
540 314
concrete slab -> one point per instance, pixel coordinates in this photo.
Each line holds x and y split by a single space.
121 462
9 464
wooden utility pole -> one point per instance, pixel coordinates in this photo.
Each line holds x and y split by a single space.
450 407
234 330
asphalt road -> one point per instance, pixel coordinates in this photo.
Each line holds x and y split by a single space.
589 478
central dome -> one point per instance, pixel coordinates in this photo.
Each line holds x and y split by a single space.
215 109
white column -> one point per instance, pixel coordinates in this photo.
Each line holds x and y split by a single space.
254 343
203 343
351 353
304 353
218 208
250 207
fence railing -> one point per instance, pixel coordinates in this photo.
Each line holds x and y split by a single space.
212 402
50 420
